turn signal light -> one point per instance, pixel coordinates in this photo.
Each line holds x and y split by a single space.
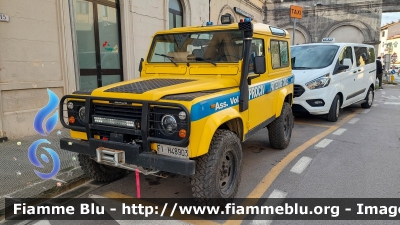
71 119
182 133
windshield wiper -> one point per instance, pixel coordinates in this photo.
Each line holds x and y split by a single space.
205 60
299 67
168 57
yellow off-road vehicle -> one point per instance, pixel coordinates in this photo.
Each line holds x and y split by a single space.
202 91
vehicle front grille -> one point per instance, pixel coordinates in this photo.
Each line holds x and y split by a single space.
298 90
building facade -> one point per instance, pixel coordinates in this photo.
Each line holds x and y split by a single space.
355 21
390 41
68 45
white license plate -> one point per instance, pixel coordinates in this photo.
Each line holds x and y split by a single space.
173 151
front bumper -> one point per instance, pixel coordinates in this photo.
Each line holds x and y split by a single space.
134 155
326 94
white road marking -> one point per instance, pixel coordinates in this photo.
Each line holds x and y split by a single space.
353 121
323 143
391 97
366 111
339 131
375 105
277 194
301 165
261 222
96 196
42 222
392 103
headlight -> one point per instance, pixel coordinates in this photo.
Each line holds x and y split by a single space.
169 124
81 113
320 82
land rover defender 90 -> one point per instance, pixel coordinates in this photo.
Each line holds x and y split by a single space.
202 91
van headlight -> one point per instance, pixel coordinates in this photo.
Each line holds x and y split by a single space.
320 82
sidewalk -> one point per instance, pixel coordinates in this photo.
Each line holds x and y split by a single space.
17 176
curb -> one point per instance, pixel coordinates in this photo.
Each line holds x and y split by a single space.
51 193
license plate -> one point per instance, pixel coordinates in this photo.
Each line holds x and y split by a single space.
173 151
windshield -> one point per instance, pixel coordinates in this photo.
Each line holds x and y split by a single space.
212 47
313 56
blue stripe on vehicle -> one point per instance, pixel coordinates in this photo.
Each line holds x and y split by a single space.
207 107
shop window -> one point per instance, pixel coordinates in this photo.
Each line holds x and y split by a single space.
175 14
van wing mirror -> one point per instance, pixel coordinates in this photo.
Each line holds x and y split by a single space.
293 61
347 62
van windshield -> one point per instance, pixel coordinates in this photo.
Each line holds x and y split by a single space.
308 57
212 47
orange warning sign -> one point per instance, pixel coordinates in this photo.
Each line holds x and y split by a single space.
296 11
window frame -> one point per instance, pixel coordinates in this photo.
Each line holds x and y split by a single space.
175 13
280 58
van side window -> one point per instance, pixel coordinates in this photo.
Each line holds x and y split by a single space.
347 52
371 55
257 49
362 56
279 54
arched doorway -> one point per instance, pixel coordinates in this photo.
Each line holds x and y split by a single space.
347 34
299 37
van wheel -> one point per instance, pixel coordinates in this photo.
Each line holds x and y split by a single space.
99 172
280 130
333 114
369 99
218 173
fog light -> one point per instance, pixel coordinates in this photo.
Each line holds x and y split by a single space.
182 133
71 119
316 102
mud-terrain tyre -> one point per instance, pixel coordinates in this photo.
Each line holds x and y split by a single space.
99 172
369 99
218 173
280 130
334 111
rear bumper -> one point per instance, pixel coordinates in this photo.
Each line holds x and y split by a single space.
134 155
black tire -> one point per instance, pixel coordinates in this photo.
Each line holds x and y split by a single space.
218 173
369 99
99 172
334 111
280 130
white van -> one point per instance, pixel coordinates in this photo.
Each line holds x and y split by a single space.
330 76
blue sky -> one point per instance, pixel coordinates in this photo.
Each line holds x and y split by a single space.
389 17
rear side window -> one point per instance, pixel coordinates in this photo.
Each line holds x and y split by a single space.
362 56
279 54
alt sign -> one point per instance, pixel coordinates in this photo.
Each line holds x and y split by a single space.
4 18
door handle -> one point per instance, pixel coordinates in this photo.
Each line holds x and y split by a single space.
359 70
354 71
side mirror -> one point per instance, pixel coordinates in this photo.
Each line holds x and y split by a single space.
259 65
259 68
347 62
141 64
293 61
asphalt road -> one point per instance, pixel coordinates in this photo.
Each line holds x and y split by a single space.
356 157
